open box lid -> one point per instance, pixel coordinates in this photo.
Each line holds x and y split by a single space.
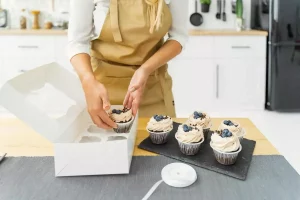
17 96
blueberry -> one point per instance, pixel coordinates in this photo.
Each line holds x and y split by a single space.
200 114
226 122
229 134
114 111
190 128
225 131
223 135
185 128
118 111
155 116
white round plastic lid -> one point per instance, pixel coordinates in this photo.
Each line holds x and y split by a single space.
178 175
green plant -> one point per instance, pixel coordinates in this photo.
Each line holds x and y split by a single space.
239 9
205 1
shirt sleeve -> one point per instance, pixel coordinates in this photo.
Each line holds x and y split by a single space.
81 27
179 28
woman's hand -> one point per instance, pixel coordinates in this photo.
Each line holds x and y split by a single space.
97 102
135 90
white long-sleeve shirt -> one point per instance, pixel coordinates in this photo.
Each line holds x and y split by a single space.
87 18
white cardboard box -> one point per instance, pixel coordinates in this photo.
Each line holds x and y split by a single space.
27 96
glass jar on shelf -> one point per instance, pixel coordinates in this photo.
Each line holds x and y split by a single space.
23 19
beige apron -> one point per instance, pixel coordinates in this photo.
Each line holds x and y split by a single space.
124 44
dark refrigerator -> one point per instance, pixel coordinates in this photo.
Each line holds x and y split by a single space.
283 81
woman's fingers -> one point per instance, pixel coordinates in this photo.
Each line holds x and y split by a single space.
104 125
125 102
96 119
107 120
105 100
129 104
135 106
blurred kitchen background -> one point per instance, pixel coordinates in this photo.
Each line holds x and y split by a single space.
57 12
54 11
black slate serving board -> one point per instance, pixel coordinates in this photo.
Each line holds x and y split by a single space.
205 157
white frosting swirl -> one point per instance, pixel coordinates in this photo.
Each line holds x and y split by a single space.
164 125
226 144
193 136
236 129
204 122
122 117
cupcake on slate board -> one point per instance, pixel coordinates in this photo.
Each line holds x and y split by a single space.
123 118
226 146
189 139
234 127
159 128
200 119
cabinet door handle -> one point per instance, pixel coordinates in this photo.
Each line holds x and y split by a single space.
28 47
240 47
217 81
22 70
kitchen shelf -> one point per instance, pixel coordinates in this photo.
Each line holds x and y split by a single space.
32 32
227 32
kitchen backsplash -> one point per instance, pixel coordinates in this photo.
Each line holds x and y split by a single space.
14 8
60 6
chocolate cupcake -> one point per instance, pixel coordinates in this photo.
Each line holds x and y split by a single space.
226 147
159 127
189 139
234 127
200 119
123 118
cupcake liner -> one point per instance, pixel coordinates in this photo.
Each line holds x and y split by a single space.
190 148
159 137
227 158
206 132
124 127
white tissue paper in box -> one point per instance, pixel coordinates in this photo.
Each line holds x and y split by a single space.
80 147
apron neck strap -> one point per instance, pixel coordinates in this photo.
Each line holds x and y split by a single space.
114 18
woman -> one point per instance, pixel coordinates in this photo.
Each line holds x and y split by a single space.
118 51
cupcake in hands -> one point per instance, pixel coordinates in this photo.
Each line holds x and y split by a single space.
234 127
159 128
226 146
123 118
189 139
200 119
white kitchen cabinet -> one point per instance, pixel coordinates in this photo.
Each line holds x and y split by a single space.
240 47
198 47
213 73
14 67
193 82
27 46
240 84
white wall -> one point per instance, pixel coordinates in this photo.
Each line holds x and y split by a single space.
210 21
